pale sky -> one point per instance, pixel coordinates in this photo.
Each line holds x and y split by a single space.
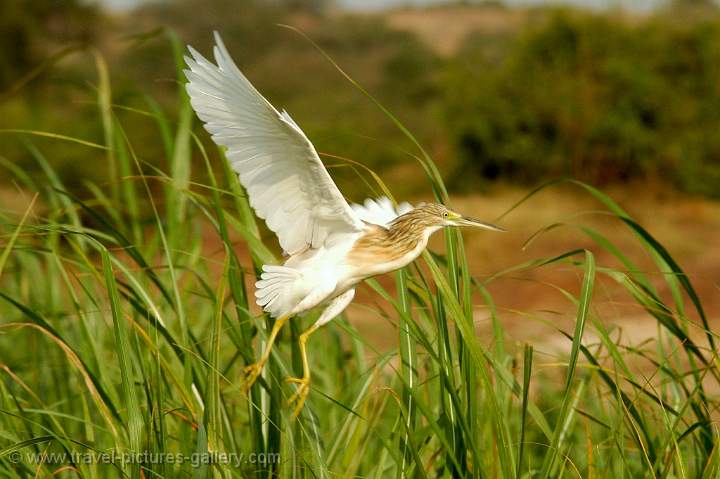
379 4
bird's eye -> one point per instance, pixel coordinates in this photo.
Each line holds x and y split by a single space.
445 215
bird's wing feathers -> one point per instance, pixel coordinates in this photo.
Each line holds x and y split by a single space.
285 180
380 211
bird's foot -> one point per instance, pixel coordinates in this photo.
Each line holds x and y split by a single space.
300 394
252 372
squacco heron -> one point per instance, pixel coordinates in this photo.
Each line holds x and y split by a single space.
330 246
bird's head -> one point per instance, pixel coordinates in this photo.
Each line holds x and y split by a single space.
437 215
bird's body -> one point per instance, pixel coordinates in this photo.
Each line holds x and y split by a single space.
340 266
331 246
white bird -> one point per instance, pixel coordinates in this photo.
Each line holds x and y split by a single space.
330 245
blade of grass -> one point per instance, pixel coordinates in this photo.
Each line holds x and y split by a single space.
13 238
556 444
135 425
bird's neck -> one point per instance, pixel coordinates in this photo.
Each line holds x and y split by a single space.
395 246
410 231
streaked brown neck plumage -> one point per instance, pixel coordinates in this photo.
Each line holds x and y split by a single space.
403 236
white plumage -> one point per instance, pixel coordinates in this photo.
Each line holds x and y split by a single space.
324 269
285 180
380 211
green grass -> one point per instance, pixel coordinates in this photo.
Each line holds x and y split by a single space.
120 333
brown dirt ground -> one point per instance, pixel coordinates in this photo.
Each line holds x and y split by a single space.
446 27
530 305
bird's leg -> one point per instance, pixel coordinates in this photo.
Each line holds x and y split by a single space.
303 382
335 307
252 371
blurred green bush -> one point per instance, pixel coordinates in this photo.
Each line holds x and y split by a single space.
591 96
597 96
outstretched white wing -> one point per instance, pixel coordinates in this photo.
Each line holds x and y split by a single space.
285 180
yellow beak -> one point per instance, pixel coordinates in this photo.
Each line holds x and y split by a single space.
471 222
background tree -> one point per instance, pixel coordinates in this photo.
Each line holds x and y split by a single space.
29 31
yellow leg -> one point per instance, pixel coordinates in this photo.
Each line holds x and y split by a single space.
304 382
252 371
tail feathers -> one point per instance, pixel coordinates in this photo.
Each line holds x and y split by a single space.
274 290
